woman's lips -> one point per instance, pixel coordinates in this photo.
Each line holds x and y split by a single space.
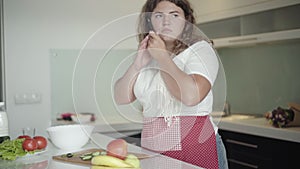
166 30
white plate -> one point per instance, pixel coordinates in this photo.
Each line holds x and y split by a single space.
33 158
36 153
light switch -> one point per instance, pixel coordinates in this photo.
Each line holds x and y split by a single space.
28 98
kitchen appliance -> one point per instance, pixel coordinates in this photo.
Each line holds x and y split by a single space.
226 110
3 123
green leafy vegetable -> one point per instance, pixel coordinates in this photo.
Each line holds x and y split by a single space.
11 149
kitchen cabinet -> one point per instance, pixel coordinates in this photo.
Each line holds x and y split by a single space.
267 26
246 151
134 139
212 10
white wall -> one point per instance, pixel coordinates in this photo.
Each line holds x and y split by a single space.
32 27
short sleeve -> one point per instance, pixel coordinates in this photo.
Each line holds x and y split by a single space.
203 60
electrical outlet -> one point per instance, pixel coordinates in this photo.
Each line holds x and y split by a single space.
28 98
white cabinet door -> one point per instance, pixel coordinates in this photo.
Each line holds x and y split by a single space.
212 10
278 24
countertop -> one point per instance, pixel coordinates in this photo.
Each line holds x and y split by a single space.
44 160
258 126
115 128
239 123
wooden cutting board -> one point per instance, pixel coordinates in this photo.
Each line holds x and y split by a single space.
77 160
102 167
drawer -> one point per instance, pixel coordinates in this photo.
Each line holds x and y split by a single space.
246 151
247 143
247 160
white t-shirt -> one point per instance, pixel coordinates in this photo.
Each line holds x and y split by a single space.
151 92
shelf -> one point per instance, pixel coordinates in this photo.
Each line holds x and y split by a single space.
214 10
257 38
274 25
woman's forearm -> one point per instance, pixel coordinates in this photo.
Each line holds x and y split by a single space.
124 86
189 89
123 89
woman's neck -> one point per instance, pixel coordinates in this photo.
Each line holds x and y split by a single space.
170 46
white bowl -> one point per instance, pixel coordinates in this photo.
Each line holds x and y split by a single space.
81 118
70 137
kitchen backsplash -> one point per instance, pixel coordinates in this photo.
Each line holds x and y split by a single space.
259 78
82 81
262 77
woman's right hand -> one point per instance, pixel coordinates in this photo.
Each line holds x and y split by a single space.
143 57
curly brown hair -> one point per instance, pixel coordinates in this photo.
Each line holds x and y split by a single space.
188 37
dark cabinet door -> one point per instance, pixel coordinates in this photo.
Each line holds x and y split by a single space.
246 151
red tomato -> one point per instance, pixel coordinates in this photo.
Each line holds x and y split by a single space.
30 144
24 136
41 141
117 148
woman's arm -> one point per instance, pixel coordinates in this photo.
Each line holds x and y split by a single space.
189 89
123 89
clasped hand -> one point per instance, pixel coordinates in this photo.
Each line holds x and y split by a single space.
152 47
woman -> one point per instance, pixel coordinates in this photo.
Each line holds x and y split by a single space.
172 76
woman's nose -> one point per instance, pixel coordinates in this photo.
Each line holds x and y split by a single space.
166 20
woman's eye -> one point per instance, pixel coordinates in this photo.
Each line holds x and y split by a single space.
175 15
158 15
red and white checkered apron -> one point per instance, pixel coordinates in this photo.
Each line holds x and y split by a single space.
189 138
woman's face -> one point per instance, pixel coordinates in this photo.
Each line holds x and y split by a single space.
168 20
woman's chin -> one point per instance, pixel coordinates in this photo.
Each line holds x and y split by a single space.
168 38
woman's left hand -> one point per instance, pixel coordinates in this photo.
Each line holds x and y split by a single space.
157 47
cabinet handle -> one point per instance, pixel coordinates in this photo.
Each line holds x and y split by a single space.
242 163
241 143
242 40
